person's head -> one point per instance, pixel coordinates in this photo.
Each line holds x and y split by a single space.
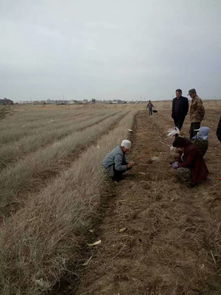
126 145
203 133
192 93
181 142
178 93
149 100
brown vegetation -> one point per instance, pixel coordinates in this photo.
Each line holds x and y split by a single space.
43 239
157 236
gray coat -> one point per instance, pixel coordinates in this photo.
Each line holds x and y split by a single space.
116 159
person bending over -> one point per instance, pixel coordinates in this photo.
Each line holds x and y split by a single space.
116 163
201 139
190 168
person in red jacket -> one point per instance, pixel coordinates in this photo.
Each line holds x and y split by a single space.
191 167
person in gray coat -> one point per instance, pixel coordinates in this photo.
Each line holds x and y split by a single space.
116 163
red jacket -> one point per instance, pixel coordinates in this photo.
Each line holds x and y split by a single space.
193 160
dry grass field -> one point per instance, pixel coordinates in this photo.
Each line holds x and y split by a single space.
157 236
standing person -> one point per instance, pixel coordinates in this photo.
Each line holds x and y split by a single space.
150 108
180 107
218 131
116 163
197 112
190 168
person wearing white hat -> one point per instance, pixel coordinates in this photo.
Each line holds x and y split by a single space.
116 163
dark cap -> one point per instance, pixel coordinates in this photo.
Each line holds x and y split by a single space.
193 90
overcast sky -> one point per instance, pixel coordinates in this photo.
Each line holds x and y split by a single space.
109 48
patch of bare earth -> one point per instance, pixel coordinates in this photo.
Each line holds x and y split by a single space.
157 236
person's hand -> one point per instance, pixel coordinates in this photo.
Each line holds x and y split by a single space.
131 164
175 165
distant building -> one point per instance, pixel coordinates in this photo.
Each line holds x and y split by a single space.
62 102
6 101
119 101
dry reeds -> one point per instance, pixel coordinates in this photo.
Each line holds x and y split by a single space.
40 241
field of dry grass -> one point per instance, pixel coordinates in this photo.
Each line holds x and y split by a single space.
50 188
54 200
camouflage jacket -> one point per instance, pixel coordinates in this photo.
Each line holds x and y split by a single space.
197 110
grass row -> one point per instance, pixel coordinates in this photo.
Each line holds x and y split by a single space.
43 240
15 132
39 138
29 173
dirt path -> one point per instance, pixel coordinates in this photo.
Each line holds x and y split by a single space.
158 237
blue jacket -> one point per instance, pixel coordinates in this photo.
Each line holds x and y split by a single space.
116 159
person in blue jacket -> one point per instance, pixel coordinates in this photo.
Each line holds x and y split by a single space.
116 163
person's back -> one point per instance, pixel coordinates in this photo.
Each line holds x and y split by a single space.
194 161
109 159
201 140
191 165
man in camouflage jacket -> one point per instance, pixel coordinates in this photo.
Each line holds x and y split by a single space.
197 112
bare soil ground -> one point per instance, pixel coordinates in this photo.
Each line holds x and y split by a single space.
157 236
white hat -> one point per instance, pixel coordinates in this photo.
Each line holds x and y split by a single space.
126 143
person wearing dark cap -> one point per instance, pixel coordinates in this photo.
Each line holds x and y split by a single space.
197 112
190 167
180 107
218 131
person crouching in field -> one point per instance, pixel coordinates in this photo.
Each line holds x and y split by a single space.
116 163
201 140
190 167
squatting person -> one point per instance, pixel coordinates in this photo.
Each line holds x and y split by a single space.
116 163
197 112
180 107
190 168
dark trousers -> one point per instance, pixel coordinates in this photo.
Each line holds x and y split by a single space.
193 126
178 122
150 111
118 175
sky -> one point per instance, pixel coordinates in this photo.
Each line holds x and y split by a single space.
109 49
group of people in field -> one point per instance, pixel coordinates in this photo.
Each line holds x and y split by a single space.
188 164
